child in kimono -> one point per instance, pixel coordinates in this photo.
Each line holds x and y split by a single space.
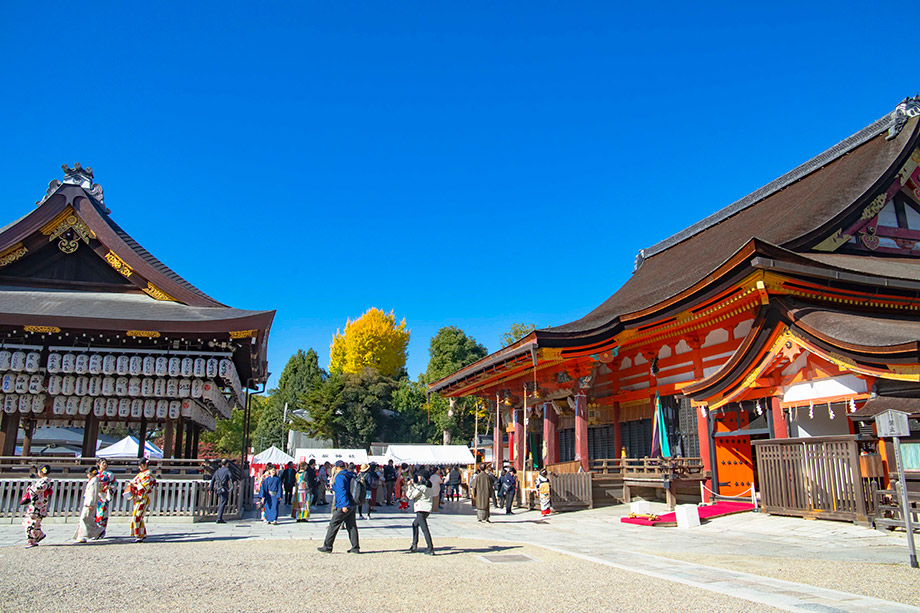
88 528
139 489
39 493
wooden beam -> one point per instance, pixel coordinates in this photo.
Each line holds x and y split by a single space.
90 436
9 431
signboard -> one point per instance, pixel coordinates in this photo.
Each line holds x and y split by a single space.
892 423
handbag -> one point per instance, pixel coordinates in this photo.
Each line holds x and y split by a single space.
26 498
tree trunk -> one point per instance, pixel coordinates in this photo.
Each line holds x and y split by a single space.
448 437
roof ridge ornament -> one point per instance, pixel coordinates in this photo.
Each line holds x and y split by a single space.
909 107
80 176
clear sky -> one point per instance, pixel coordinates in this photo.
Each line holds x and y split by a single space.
471 164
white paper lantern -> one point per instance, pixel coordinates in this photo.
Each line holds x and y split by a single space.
5 357
187 368
185 388
81 386
136 365
8 383
109 365
94 386
59 405
175 367
33 361
150 408
122 365
172 388
36 384
201 367
86 405
159 388
54 384
121 386
212 368
10 403
54 363
68 363
187 408
124 407
150 366
111 407
162 409
18 361
81 365
38 403
25 404
197 388
137 408
68 383
147 387
73 405
162 366
22 384
224 368
134 386
99 407
108 386
95 364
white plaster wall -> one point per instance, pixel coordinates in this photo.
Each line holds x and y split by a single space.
821 424
682 347
715 337
743 328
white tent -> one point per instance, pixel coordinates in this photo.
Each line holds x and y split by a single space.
127 448
272 455
358 456
430 454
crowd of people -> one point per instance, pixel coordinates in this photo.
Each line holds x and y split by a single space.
356 491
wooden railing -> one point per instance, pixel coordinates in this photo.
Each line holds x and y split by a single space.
171 498
563 468
27 467
674 468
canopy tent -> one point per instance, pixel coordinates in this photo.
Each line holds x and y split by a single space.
272 455
127 448
380 460
430 454
358 456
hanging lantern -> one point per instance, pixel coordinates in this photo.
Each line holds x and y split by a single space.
73 405
201 367
108 386
36 384
68 362
18 361
111 407
122 365
54 363
150 366
86 405
22 384
134 386
150 408
99 407
121 386
185 388
5 357
187 368
137 408
174 367
124 407
136 365
33 361
81 364
109 365
38 403
95 364
59 405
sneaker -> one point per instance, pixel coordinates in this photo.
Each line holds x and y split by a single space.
139 540
323 550
220 521
354 550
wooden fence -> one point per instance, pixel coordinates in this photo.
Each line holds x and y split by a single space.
812 477
171 498
571 491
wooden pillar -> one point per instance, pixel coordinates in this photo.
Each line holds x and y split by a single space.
196 430
550 434
617 431
188 439
168 432
702 423
519 440
497 439
780 428
9 430
142 438
581 430
28 429
180 427
90 436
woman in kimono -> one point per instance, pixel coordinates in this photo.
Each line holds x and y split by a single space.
300 509
543 489
270 492
139 489
39 494
88 528
106 481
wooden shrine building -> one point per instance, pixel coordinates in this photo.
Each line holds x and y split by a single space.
94 328
788 314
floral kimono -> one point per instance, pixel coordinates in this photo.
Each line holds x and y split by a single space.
88 528
39 495
300 510
543 489
106 483
139 489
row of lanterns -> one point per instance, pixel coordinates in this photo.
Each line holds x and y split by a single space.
107 407
70 385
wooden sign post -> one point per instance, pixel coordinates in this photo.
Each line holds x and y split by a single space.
894 425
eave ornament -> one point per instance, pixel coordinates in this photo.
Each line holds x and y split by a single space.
68 223
143 333
244 333
12 254
155 292
118 264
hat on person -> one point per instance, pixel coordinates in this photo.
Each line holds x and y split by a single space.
340 463
365 467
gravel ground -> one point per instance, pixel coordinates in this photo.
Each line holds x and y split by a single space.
895 582
290 575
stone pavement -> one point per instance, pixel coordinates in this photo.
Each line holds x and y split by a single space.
599 536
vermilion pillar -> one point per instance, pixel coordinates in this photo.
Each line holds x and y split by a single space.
497 448
519 440
702 431
581 430
550 434
780 429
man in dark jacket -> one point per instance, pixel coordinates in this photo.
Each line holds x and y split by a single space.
313 482
389 479
453 484
344 512
288 481
220 485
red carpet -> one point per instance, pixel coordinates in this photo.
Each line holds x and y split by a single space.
707 512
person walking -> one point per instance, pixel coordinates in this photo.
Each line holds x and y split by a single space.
300 510
362 491
312 481
389 480
322 483
106 479
435 479
422 494
499 485
288 481
453 484
402 475
270 492
509 489
482 489
139 490
220 485
87 528
343 512
37 496
543 489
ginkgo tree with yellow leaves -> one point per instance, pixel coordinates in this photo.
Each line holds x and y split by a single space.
374 340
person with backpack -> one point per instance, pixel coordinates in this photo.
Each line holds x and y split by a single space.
220 485
344 507
422 494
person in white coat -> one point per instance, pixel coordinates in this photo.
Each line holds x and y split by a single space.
88 528
419 491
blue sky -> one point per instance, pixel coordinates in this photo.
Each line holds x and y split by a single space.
472 164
